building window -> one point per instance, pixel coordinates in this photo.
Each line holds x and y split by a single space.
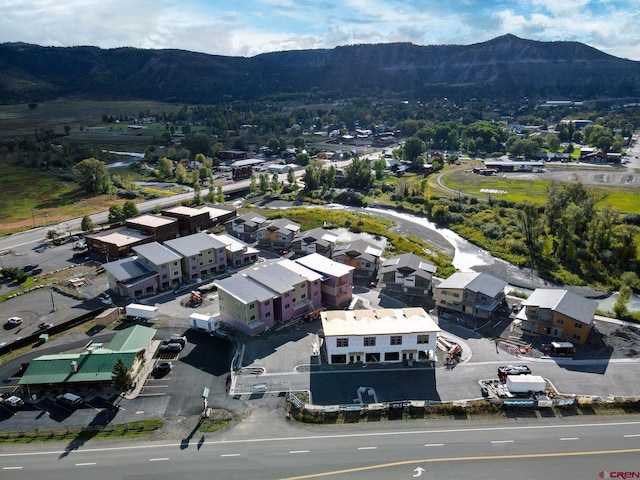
396 340
303 296
456 295
391 356
423 338
560 321
576 336
578 325
251 307
286 305
208 253
315 294
175 264
164 276
252 318
342 342
201 263
369 341
267 314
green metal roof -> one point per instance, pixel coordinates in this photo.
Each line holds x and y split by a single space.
131 339
92 366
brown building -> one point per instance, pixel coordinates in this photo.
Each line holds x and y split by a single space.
160 227
116 242
219 214
190 220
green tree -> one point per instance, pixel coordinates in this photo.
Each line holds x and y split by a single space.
413 148
253 184
129 209
87 224
275 182
120 377
264 183
54 236
115 214
302 159
378 166
92 175
553 141
358 173
620 305
165 167
220 194
531 227
291 176
311 176
181 174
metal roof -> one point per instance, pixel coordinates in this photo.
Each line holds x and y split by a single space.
276 276
407 261
156 253
127 269
245 289
192 245
377 322
475 282
564 302
324 265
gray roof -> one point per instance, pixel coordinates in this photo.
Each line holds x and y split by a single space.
192 245
276 276
249 219
127 269
407 261
564 302
317 235
324 265
156 253
361 247
282 224
245 289
475 282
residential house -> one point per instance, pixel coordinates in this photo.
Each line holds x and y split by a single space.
277 233
245 226
190 220
408 274
477 294
162 260
298 291
379 335
238 252
245 304
336 280
130 278
316 240
363 256
558 313
202 255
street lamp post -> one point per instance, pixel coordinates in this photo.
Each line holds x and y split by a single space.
33 216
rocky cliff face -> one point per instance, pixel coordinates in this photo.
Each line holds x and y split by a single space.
506 66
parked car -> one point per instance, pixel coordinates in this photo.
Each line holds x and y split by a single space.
163 367
82 254
35 271
170 347
14 321
69 400
182 340
28 267
45 325
181 289
13 402
80 245
514 370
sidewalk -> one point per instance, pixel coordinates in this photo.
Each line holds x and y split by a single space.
140 379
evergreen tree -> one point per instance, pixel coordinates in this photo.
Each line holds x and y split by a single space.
120 376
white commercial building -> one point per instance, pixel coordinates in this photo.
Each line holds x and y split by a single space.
379 335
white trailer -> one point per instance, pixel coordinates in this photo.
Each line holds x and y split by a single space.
141 311
206 322
526 383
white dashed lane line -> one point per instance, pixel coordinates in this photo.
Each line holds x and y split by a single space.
299 451
85 464
501 441
367 448
163 459
12 468
230 455
434 444
564 439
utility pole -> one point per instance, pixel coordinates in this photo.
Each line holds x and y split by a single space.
33 216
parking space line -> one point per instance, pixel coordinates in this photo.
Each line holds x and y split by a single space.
12 468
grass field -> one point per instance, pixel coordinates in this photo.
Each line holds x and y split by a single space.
625 199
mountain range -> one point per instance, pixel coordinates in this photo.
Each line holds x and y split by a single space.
504 67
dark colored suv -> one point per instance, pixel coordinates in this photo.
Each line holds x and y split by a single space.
180 340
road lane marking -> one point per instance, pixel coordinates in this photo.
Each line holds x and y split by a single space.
230 455
12 468
367 448
632 435
568 438
85 464
328 437
299 451
434 444
161 459
460 459
501 441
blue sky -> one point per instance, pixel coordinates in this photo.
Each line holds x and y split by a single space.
250 27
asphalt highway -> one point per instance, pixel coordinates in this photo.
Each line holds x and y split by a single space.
577 448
